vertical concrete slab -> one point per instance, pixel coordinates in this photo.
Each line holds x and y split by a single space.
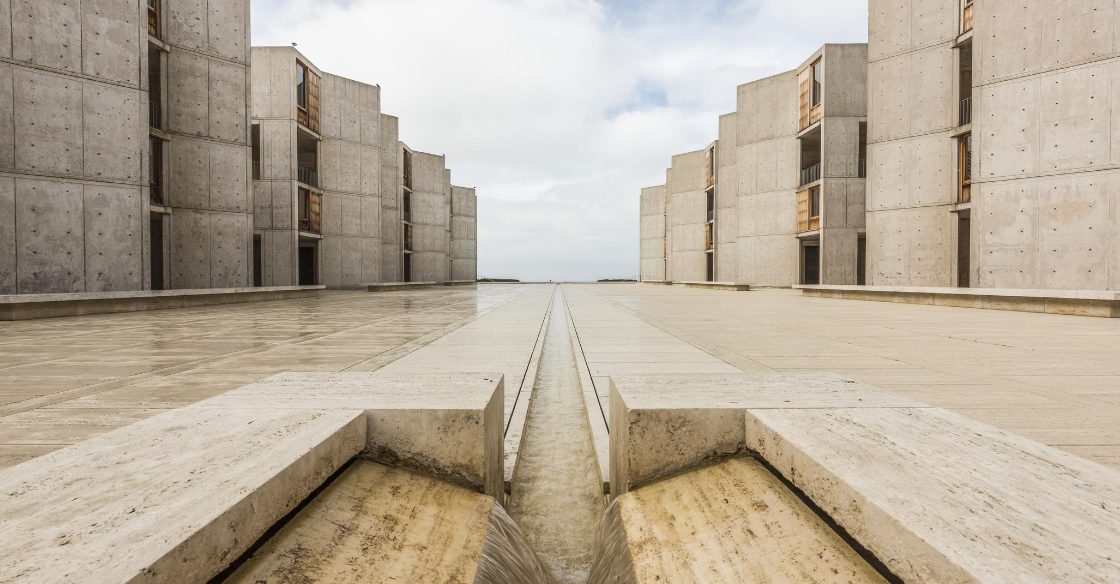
187 82
187 24
50 248
189 178
228 178
111 44
351 262
48 34
48 122
114 242
113 147
226 100
6 31
7 235
228 29
229 239
190 253
7 121
330 254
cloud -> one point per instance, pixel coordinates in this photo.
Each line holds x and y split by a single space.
557 111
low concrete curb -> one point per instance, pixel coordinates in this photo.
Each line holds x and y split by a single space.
1068 302
35 306
399 286
726 286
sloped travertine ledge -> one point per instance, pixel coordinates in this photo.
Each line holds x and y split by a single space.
1069 302
177 497
726 286
33 306
932 495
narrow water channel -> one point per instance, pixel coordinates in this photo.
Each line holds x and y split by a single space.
557 497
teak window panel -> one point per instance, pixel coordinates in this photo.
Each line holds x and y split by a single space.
309 206
307 97
153 17
808 210
710 169
966 15
964 168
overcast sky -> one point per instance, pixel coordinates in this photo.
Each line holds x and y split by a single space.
558 111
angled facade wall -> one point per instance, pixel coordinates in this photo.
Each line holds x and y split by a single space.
391 190
686 189
431 193
464 234
652 234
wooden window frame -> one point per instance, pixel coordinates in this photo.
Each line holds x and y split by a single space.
967 15
806 221
154 28
964 168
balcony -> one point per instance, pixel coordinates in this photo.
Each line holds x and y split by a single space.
811 174
966 111
307 176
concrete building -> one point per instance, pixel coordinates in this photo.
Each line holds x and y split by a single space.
464 234
654 212
968 191
128 164
339 201
778 200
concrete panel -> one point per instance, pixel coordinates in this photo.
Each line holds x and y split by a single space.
228 29
230 236
841 147
330 112
332 214
330 254
6 31
187 24
282 75
47 34
262 204
7 235
190 249
370 170
889 30
114 242
190 173
889 98
187 80
350 170
370 114
7 121
774 103
351 219
371 260
279 248
350 122
226 99
351 261
933 21
370 209
888 177
845 87
48 122
284 205
330 165
931 170
114 146
1074 105
1009 144
50 244
110 40
931 73
228 177
1073 226
278 149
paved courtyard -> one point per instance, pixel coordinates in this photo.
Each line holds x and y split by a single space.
1055 379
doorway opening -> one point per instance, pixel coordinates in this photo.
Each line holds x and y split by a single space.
258 261
307 265
155 252
811 265
964 249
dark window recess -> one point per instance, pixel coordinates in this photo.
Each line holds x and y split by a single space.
155 89
407 267
258 262
812 272
301 85
155 238
861 262
407 170
306 266
964 247
406 207
862 171
711 207
155 170
408 238
256 151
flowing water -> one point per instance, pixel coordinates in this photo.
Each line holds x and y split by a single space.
557 495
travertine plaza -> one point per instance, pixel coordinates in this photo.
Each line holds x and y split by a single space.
256 348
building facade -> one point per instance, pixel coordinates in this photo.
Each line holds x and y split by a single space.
778 200
128 163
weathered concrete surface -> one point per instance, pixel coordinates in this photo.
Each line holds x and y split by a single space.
34 306
687 214
464 235
994 507
1075 302
170 499
652 231
730 522
379 524
398 286
664 424
1050 378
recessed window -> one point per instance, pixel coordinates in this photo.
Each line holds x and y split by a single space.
818 80
814 202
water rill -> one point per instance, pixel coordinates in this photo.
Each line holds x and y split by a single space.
557 495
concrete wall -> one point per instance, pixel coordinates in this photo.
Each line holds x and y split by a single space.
688 216
912 112
766 158
430 218
1046 184
464 234
391 181
727 200
208 78
73 147
350 176
844 106
652 234
275 191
